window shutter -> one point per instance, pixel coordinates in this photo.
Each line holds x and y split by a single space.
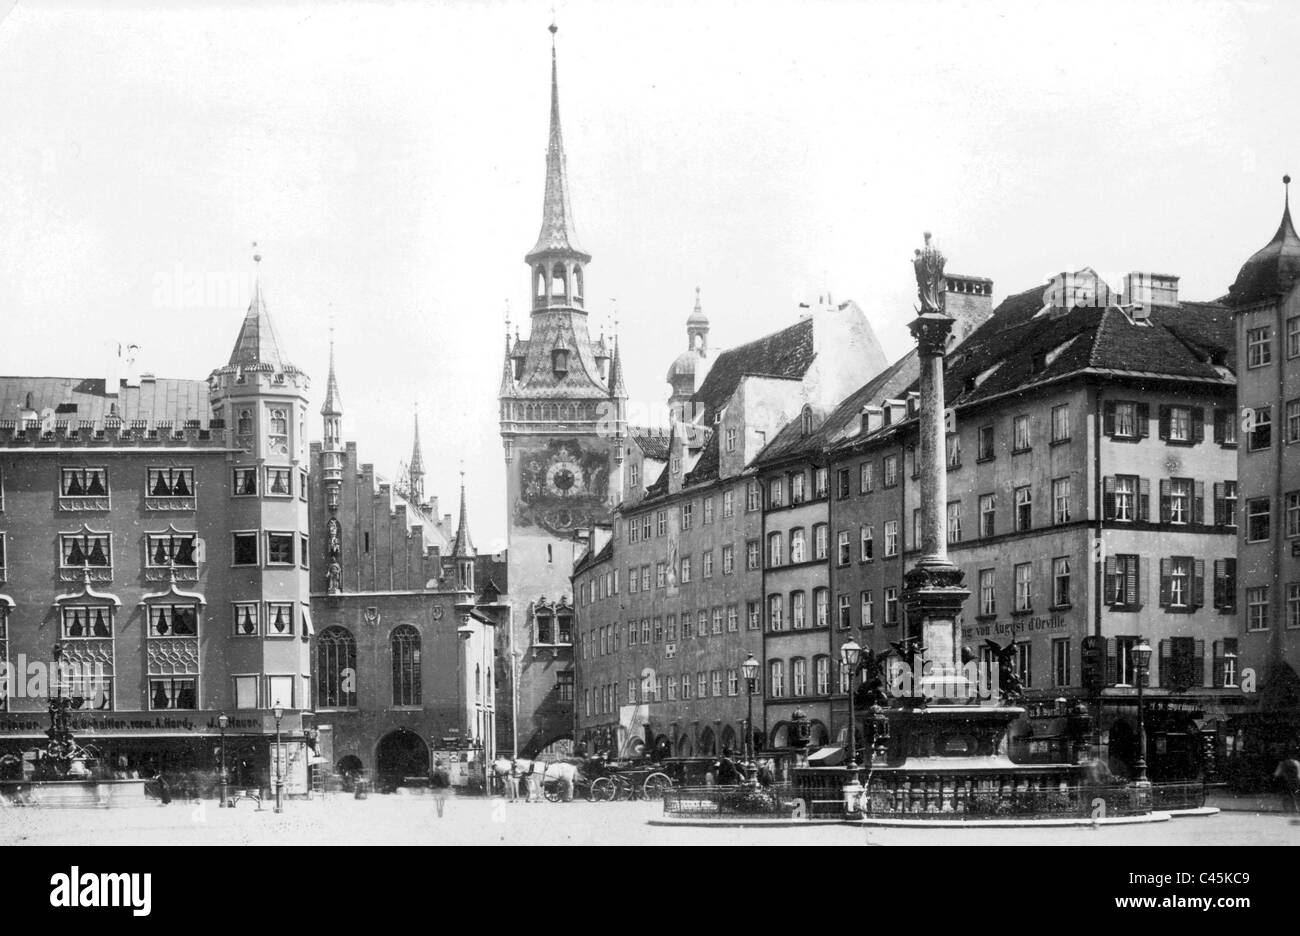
1198 664
1230 584
1110 584
1166 577
1198 502
1166 508
1220 419
1164 421
1108 417
1144 500
1143 420
1220 505
1198 425
1217 680
1132 586
1112 662
1108 497
1166 664
1198 583
1220 583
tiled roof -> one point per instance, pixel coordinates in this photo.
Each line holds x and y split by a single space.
706 466
587 560
831 428
155 400
785 353
652 442
1018 348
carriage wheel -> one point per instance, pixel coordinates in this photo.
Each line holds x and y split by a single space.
655 785
601 790
551 791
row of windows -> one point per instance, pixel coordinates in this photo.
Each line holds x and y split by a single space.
182 619
1259 613
720 619
655 522
664 687
91 549
1257 424
1259 343
336 669
86 483
798 669
1259 515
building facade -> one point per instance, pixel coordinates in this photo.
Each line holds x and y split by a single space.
157 531
1092 486
1266 309
562 420
679 590
405 656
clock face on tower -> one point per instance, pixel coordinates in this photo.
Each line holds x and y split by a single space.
562 487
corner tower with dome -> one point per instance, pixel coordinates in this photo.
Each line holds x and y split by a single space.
1265 303
563 425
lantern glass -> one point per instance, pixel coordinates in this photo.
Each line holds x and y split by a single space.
850 655
223 721
1142 655
279 711
749 669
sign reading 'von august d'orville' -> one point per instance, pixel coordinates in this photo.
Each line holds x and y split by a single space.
1015 627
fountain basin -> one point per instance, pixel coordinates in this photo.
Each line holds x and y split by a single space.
68 794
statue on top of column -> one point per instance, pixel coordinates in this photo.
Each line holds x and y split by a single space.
928 264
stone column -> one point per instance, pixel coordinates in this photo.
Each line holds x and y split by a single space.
933 594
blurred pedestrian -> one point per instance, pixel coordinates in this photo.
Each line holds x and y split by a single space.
1288 771
512 781
439 782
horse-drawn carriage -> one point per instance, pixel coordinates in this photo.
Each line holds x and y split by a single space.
595 779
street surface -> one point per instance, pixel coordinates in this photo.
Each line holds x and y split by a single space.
413 820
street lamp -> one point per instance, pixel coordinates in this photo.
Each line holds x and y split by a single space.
1141 659
749 669
223 722
850 657
279 779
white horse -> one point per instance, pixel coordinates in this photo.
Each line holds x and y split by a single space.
566 775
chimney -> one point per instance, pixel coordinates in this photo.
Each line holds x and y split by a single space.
969 300
1150 289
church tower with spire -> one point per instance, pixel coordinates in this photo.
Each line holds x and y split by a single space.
563 424
415 470
262 399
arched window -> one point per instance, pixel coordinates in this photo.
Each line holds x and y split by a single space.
799 676
336 668
807 420
776 679
406 665
822 607
541 283
478 681
577 281
245 425
559 282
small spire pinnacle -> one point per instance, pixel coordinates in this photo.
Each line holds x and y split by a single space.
415 471
463 547
333 405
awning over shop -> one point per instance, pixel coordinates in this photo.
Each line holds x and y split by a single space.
6 601
827 757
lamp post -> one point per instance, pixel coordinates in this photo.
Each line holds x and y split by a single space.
749 669
279 779
223 722
850 657
1141 659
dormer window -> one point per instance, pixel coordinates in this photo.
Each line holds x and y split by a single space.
560 361
807 421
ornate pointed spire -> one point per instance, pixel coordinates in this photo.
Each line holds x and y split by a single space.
258 344
557 234
415 470
333 405
617 388
463 546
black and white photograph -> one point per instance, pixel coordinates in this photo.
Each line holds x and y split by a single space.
459 423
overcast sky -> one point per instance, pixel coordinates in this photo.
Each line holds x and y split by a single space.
389 160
